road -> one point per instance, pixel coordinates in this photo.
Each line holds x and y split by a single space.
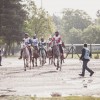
46 80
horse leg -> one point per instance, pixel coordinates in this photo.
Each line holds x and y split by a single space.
36 62
54 62
33 61
57 64
49 61
30 62
40 61
24 65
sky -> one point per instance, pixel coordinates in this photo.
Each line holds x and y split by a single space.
57 6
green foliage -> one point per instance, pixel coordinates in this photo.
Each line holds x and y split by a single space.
12 17
39 22
91 34
75 18
76 26
74 36
58 22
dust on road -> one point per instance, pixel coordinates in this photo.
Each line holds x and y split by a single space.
43 81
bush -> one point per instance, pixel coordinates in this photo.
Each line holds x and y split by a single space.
97 56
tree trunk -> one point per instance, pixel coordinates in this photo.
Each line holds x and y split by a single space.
5 50
12 49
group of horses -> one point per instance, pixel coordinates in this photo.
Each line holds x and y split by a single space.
30 60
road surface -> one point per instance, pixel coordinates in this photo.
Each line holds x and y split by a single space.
46 80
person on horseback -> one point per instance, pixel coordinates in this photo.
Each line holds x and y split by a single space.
42 45
35 42
58 41
49 44
26 42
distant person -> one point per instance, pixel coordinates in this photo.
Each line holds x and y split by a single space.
0 56
42 45
85 57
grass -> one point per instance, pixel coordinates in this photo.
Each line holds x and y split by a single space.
52 98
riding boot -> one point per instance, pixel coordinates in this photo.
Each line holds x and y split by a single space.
21 54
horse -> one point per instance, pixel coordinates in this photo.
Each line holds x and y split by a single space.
35 55
43 54
56 55
50 55
26 57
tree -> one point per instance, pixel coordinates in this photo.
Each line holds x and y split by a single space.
39 22
74 36
58 22
91 34
12 17
77 19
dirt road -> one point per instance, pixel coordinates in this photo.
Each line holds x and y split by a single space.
46 80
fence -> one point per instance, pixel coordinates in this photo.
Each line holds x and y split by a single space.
76 49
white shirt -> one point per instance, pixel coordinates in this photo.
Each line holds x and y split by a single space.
26 41
35 42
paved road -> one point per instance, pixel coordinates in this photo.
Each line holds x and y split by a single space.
43 81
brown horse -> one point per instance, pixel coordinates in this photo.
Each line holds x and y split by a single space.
50 56
35 56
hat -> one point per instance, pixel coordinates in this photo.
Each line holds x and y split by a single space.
26 34
56 32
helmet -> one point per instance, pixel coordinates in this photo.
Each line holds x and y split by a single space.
56 33
34 36
26 34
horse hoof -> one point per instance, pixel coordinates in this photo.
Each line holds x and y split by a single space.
57 68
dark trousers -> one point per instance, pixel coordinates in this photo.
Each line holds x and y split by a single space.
85 68
0 59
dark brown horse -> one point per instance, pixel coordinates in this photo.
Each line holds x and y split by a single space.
50 56
35 56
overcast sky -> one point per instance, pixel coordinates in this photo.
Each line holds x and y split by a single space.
56 6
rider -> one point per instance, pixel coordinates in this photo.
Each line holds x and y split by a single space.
58 41
49 46
35 42
26 42
42 45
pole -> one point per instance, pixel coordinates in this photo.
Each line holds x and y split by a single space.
72 50
41 4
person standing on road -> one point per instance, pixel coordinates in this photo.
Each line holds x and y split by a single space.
85 57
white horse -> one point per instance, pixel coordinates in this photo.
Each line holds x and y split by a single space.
26 57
